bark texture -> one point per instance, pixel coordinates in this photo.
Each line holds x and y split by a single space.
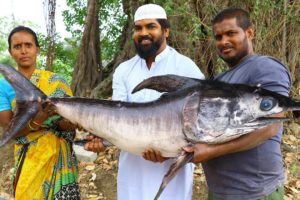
87 71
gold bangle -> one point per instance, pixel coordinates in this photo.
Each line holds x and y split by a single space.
31 128
40 125
35 123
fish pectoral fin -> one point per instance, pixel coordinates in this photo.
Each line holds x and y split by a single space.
181 160
24 113
190 118
166 83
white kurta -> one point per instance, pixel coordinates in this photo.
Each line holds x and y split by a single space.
139 179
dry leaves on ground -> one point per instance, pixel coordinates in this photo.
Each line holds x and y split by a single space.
98 179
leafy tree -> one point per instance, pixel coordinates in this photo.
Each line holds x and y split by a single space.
111 18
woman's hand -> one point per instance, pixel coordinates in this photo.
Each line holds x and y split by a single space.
43 114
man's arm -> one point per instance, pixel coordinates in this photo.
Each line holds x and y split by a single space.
6 113
5 117
204 152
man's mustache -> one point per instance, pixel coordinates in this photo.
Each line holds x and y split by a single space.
226 47
141 38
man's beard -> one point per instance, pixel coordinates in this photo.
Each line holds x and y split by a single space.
148 51
233 61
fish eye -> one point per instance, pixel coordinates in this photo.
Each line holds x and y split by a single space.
267 103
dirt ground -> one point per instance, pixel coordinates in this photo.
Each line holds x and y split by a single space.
98 179
103 172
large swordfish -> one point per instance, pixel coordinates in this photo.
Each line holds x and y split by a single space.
189 111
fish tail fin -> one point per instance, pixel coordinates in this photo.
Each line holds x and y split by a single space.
27 98
184 158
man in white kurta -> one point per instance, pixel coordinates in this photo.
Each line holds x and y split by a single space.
138 178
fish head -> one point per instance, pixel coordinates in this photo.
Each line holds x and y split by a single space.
262 104
219 112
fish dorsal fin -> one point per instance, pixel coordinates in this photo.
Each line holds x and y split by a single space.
27 96
166 83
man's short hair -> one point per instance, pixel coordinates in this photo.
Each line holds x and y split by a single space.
22 29
164 23
242 17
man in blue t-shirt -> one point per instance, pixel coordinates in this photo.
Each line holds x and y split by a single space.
250 167
7 94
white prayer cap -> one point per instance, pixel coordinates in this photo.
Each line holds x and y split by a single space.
150 11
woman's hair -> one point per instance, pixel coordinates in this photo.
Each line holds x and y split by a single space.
22 29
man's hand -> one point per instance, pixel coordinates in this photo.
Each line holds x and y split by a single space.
95 144
153 155
5 118
202 152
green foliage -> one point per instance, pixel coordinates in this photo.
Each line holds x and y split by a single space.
191 32
65 55
7 25
3 44
4 55
8 61
64 49
75 16
111 18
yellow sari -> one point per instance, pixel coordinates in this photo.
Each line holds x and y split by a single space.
45 164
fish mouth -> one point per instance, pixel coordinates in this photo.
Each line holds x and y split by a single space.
264 121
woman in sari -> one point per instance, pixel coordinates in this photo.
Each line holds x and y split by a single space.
45 164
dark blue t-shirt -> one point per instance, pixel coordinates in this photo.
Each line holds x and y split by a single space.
256 172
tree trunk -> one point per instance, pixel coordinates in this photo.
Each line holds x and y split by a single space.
87 72
284 34
292 47
49 8
191 34
104 89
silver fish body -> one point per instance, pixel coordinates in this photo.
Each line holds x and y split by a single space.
174 120
189 111
131 127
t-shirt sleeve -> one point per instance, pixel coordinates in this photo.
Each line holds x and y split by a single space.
272 75
5 103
